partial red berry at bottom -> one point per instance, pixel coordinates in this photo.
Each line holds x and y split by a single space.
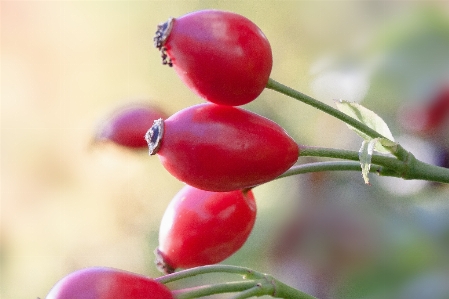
128 125
108 283
204 227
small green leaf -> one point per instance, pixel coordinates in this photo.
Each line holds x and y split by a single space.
370 119
365 154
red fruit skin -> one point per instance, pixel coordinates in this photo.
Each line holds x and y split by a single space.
108 283
438 110
128 125
222 56
203 227
224 148
429 118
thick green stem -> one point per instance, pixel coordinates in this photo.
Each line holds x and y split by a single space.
242 271
398 150
419 170
312 151
389 162
333 166
206 290
267 286
255 291
409 169
259 284
281 290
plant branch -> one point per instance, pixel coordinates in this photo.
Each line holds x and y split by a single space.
281 290
398 150
419 170
333 166
259 284
409 169
255 291
242 271
314 151
206 290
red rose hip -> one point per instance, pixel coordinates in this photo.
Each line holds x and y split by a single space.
203 227
128 125
428 119
108 283
222 148
222 56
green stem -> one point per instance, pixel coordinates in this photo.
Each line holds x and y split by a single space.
242 271
409 169
206 290
281 290
398 151
255 291
419 170
325 152
332 166
314 151
265 284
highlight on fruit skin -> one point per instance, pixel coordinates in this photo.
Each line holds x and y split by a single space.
222 148
221 56
127 125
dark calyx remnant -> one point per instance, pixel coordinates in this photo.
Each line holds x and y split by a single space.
161 264
154 136
162 33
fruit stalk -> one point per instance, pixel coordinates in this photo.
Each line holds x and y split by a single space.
332 166
242 271
206 290
398 151
409 169
255 284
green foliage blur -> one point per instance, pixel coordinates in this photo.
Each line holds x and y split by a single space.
67 203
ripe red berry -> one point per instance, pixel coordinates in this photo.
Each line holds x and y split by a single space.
203 227
222 56
222 148
128 125
107 283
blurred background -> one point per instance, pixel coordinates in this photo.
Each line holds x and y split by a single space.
67 203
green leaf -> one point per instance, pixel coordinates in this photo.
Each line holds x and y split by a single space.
365 155
370 119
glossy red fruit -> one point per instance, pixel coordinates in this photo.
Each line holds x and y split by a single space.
222 148
108 283
203 227
222 56
128 125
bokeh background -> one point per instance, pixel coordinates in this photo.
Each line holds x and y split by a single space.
67 203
